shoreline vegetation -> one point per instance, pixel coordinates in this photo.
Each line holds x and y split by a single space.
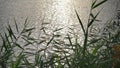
100 47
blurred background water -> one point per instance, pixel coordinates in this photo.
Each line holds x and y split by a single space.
59 13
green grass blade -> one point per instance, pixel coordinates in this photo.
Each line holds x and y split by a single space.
37 58
28 42
3 43
7 40
94 19
12 64
96 49
57 29
10 29
26 62
94 41
70 41
98 4
16 25
26 22
11 34
91 14
27 30
16 44
50 40
18 61
80 22
67 60
58 61
94 3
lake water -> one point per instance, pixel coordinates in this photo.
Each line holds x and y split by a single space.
59 13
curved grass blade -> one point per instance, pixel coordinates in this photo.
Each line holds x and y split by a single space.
57 29
98 4
94 3
26 22
80 22
94 19
18 61
27 30
50 40
11 33
18 45
96 49
70 41
3 43
16 25
7 41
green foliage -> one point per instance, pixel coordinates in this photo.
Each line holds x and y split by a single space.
68 53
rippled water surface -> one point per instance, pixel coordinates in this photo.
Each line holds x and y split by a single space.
59 13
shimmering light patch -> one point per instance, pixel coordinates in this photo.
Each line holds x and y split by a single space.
62 11
62 8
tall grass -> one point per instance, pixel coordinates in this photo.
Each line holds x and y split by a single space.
95 52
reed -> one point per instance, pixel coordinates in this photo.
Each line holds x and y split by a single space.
95 52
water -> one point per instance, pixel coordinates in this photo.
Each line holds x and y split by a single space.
60 13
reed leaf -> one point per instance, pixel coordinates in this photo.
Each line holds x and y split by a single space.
50 40
26 22
18 45
98 4
19 59
81 24
27 30
94 19
17 29
93 3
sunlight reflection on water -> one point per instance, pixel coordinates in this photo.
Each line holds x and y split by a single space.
59 13
63 11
